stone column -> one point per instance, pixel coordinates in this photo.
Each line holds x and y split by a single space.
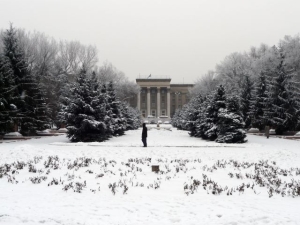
158 101
148 101
139 101
168 103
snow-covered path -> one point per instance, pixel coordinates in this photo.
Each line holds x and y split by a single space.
150 198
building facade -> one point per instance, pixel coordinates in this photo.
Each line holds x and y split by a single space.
160 98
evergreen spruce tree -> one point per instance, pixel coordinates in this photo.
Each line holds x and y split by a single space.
84 112
246 97
108 111
284 99
34 110
117 119
50 87
258 102
180 118
194 113
183 118
132 116
99 103
30 104
175 119
230 123
208 128
199 125
64 99
8 94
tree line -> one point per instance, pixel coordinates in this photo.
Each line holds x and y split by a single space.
262 89
40 83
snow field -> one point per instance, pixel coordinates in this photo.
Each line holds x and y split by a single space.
141 196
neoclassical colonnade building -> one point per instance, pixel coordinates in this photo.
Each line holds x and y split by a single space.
159 98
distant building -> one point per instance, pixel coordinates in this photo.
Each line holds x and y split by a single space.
159 98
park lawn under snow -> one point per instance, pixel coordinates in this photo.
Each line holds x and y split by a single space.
112 182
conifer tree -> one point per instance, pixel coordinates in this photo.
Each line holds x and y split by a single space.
108 111
246 96
258 102
8 95
181 118
50 86
64 98
175 119
208 128
194 113
284 99
199 125
30 104
132 116
84 112
101 106
118 121
230 123
34 110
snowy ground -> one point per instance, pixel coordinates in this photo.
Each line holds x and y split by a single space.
112 182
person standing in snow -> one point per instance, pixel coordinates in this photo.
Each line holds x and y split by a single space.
144 135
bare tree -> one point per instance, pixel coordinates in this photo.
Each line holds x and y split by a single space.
291 48
27 43
124 88
206 84
72 56
233 70
1 42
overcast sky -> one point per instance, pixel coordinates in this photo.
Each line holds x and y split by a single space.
178 39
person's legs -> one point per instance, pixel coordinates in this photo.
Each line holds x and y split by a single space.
144 142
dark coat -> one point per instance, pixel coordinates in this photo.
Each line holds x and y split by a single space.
144 133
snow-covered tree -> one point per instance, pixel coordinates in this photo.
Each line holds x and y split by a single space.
180 118
123 87
284 99
31 108
206 84
34 110
258 102
199 128
194 114
131 115
246 96
84 111
186 117
55 65
291 49
175 118
232 71
118 122
230 123
8 95
208 128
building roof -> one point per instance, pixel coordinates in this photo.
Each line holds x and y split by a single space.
181 85
153 80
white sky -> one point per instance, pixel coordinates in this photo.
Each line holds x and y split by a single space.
178 39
